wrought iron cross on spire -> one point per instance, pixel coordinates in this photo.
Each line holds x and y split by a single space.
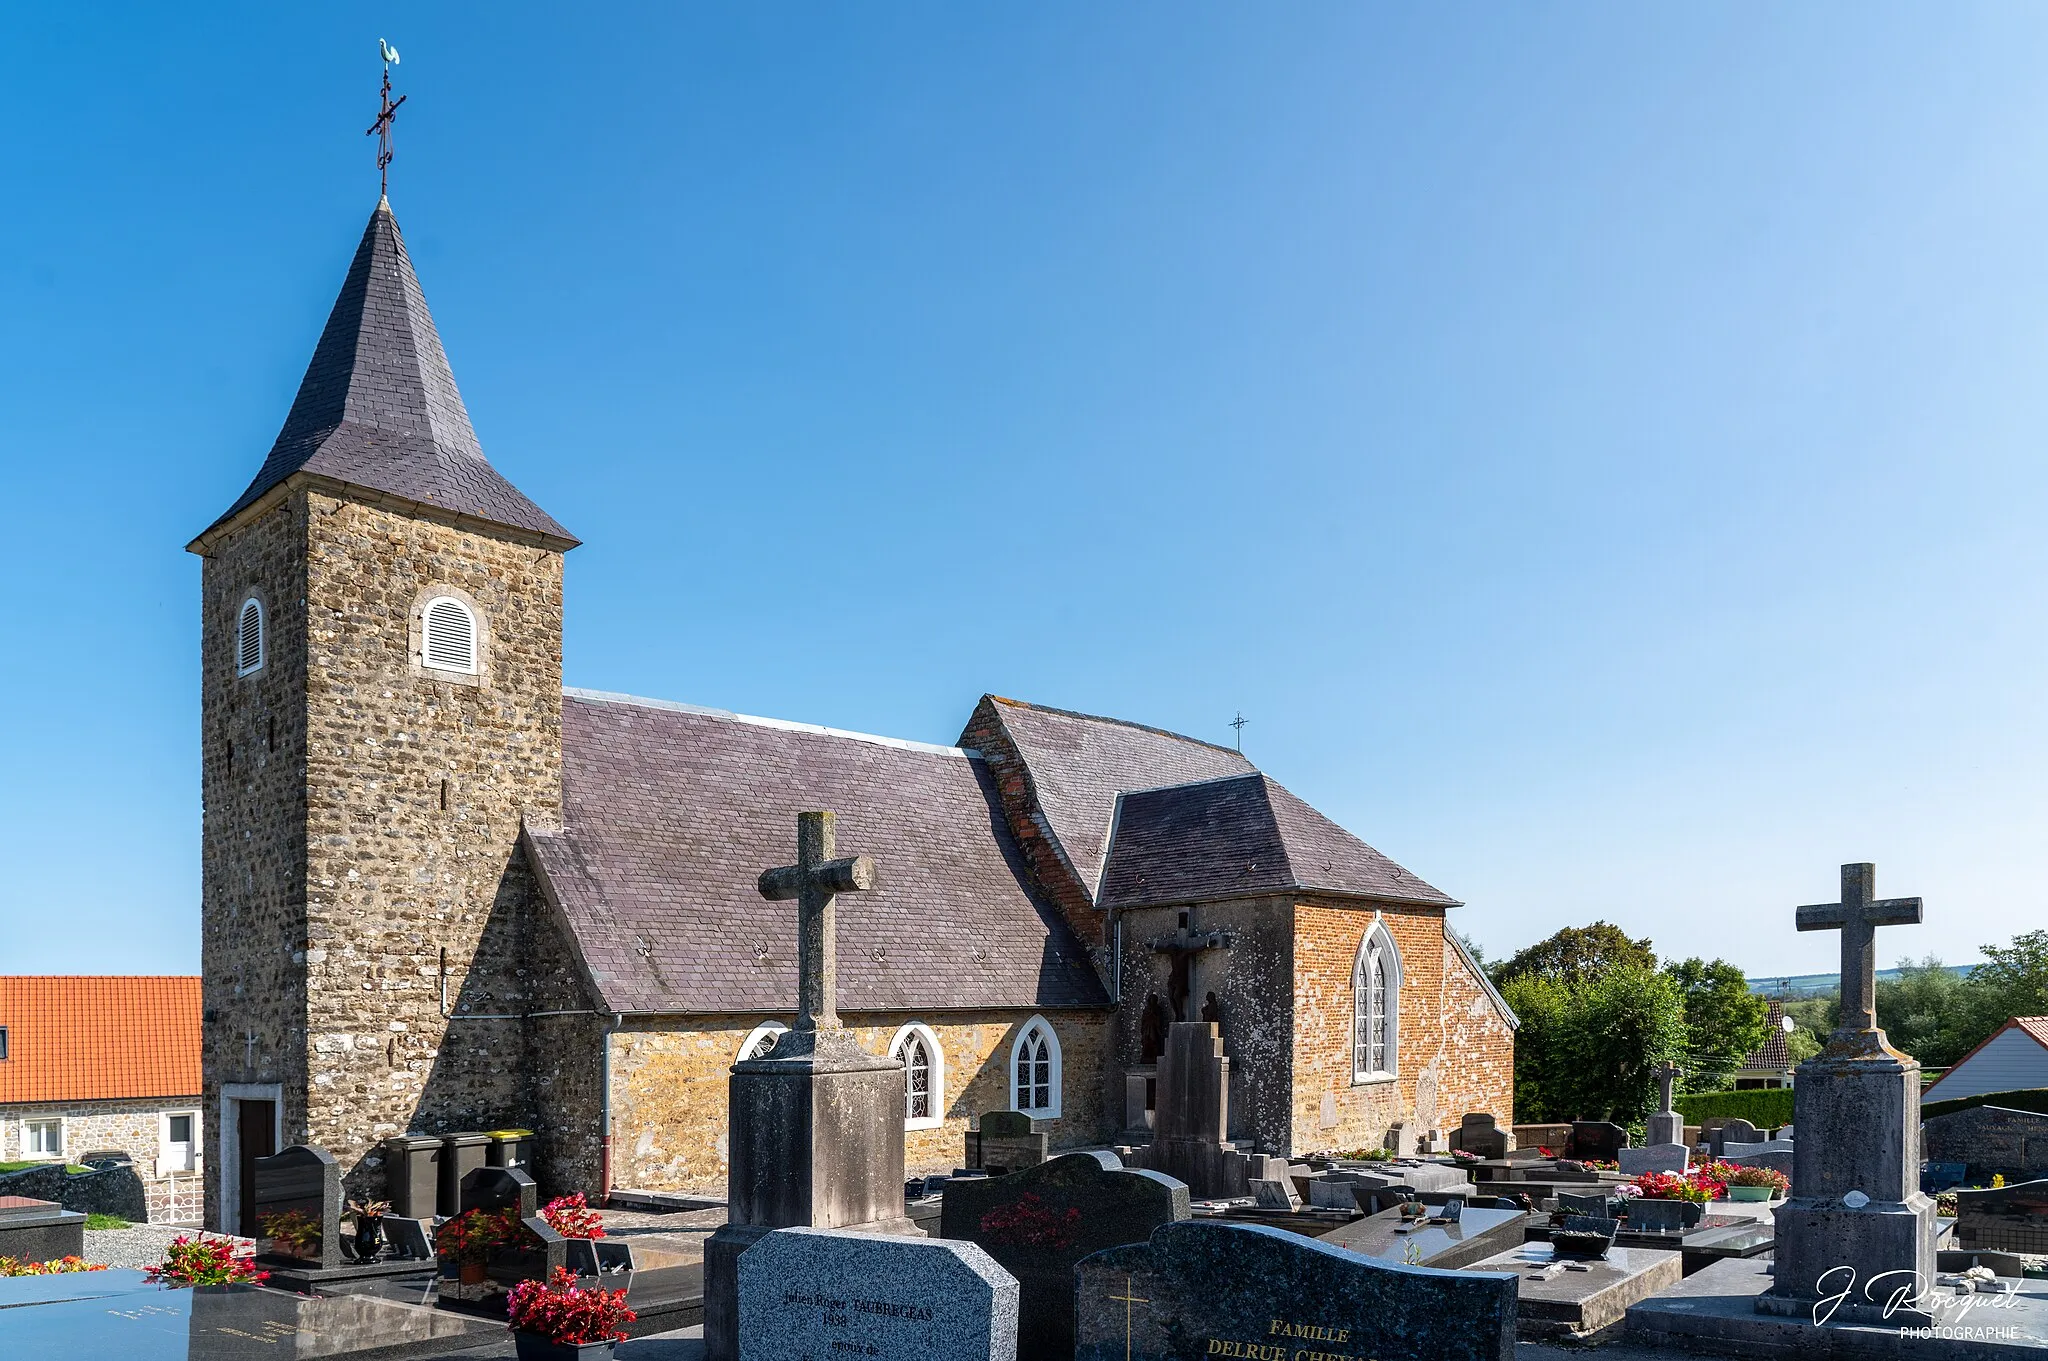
814 881
381 129
1857 917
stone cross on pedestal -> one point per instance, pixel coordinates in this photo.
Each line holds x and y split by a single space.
1857 917
815 881
1665 1126
1666 1077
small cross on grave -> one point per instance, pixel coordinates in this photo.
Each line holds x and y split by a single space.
814 881
1857 917
1667 1076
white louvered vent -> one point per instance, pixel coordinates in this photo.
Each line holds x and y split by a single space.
450 636
249 639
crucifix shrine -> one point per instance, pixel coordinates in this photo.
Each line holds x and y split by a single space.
1856 1201
815 1125
815 881
1857 917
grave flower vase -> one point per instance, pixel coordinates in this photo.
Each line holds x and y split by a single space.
369 1237
534 1347
474 1273
1749 1193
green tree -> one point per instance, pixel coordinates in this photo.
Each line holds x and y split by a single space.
2014 978
1813 1019
1540 1067
1472 948
1724 1020
1927 1011
1578 953
1624 1024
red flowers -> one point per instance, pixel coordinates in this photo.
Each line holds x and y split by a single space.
61 1266
1708 1181
562 1311
469 1237
204 1261
1030 1223
572 1217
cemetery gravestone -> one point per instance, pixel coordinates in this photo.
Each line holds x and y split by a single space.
1275 1195
1941 1176
1664 1125
826 1293
409 1238
1478 1133
1006 1142
1039 1222
39 1230
2004 1219
1573 1203
1653 1158
1597 1141
1193 1114
298 1207
1206 1288
1991 1141
492 1189
1664 1216
1732 1131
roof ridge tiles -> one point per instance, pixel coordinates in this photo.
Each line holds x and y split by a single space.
781 724
1116 722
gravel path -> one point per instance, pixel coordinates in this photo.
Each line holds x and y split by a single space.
138 1245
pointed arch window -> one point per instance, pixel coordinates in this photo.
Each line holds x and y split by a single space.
448 636
249 639
1376 1006
1035 1071
924 1076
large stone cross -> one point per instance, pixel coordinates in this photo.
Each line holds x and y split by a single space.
814 881
1666 1076
1857 917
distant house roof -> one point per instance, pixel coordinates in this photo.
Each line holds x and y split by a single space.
378 410
1774 1054
1079 763
671 812
1241 836
2013 1057
90 1037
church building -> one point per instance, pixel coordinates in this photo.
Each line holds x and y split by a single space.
444 893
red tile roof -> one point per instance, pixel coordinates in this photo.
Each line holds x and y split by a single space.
2037 1026
77 1037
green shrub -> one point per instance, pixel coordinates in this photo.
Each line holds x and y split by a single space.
1766 1108
2027 1099
100 1221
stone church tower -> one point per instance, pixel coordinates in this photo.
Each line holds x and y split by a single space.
381 678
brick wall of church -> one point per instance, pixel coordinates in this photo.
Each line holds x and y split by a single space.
1456 1052
403 842
670 1074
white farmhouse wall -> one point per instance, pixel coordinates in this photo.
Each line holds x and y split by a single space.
2012 1061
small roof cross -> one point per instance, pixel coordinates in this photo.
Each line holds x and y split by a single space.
1857 917
814 881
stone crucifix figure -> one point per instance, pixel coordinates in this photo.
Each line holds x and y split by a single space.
1857 917
815 880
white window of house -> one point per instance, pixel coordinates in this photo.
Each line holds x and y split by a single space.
448 636
1376 1006
42 1138
249 638
178 1142
924 1076
1035 1071
761 1039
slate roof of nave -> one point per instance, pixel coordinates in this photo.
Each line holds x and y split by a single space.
1080 763
671 812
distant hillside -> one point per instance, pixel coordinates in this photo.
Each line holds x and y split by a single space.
1812 984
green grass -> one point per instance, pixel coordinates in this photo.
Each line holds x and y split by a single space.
5 1168
100 1221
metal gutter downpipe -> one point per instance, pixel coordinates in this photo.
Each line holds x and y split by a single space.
604 1106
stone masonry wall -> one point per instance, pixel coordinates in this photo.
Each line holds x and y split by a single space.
253 820
1456 1052
670 1074
416 789
131 1127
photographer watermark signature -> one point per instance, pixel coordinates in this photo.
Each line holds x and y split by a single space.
1898 1291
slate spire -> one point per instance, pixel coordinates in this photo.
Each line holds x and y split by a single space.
378 410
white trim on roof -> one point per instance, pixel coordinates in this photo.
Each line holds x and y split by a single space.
782 724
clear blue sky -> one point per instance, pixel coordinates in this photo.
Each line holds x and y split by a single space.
1599 449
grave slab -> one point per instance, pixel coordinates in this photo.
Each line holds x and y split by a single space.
1581 1300
1202 1288
1477 1235
39 1230
822 1293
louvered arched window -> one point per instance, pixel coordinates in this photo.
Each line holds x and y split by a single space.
249 637
924 1076
1376 1006
1035 1071
448 636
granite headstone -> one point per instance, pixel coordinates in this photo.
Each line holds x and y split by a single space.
826 1293
492 1189
1007 1141
298 1207
1597 1140
1206 1288
1736 1131
1479 1134
1653 1158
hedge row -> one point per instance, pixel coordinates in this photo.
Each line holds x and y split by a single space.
1766 1108
2027 1099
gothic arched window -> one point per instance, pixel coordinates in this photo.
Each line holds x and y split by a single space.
924 1076
1035 1071
249 637
1376 1006
761 1039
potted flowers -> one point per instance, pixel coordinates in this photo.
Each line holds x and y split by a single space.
467 1240
291 1232
561 1321
1757 1183
204 1261
369 1225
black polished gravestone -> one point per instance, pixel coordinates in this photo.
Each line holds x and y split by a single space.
1038 1222
492 1189
122 1314
298 1208
1007 1141
1597 1140
2004 1218
1203 1288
